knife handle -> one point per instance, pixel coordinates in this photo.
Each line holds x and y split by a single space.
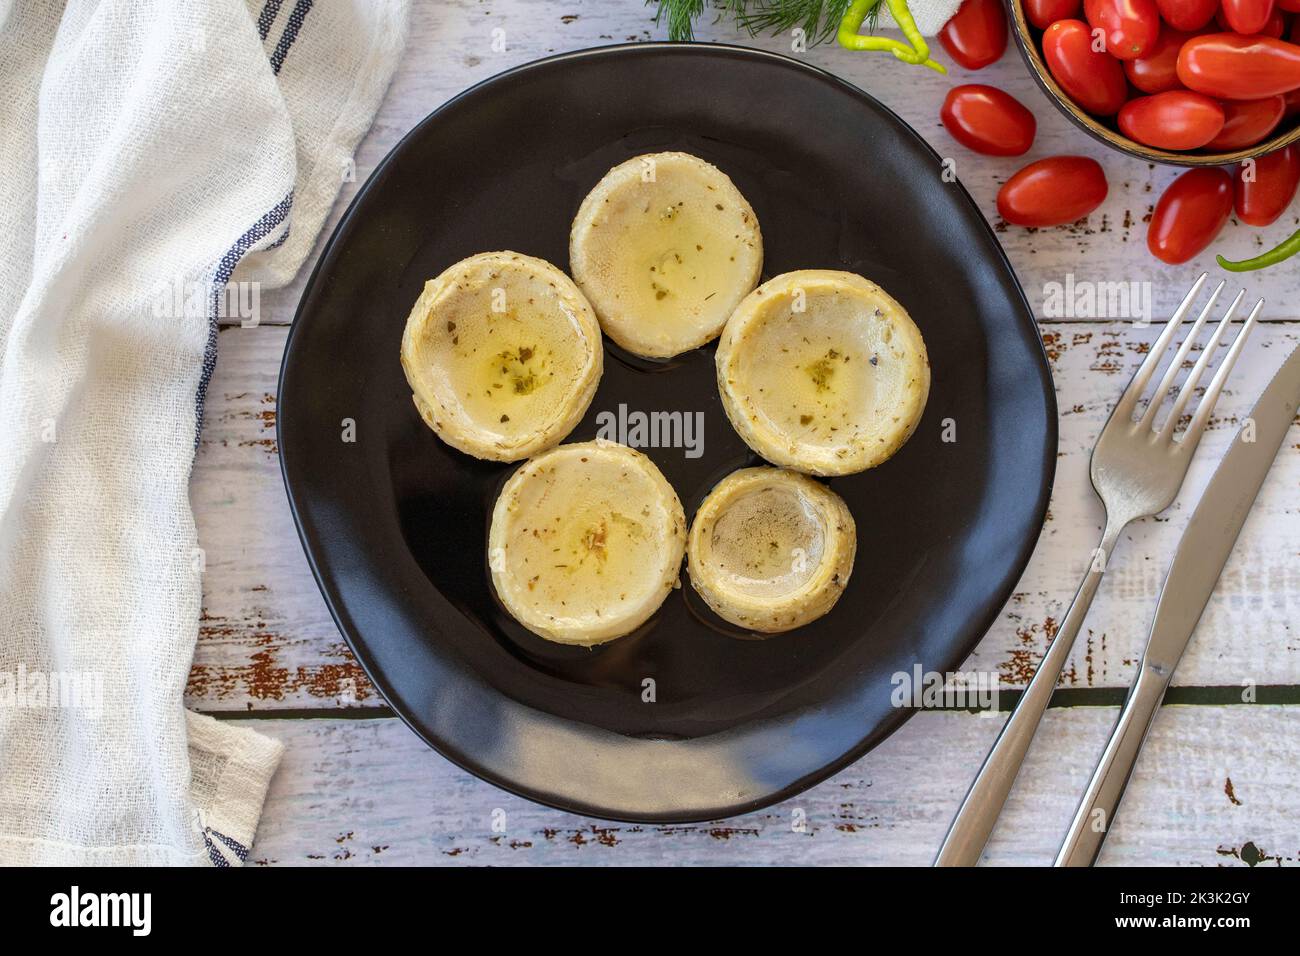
1096 812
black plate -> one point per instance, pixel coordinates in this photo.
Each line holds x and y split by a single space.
395 523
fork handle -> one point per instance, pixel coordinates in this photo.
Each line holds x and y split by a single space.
979 811
1096 811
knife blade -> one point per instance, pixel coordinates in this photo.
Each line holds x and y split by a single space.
1199 560
1212 531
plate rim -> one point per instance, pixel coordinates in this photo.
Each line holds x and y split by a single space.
899 716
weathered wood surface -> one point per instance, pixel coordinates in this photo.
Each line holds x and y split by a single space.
369 792
451 48
267 640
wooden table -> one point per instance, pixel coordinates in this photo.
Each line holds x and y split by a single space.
1219 783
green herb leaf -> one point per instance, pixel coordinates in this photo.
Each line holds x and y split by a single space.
819 19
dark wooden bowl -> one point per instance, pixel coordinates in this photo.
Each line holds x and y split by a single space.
1028 38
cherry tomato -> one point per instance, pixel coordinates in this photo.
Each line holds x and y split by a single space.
1290 6
987 120
1093 80
1158 70
1275 27
1130 26
977 33
1247 16
1263 193
1043 13
1190 214
1178 119
1247 122
1188 15
1052 191
1233 67
1292 104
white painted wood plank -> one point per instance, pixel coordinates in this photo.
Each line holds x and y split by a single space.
451 48
368 792
267 640
265 636
1249 632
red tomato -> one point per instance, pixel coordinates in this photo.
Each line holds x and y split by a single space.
1178 119
1130 26
1190 214
1247 122
1043 13
977 33
1188 15
1093 80
1158 70
1052 191
1292 103
1290 6
1234 67
1247 16
987 120
1263 193
1276 25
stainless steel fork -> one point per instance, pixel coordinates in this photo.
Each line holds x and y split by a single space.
1137 469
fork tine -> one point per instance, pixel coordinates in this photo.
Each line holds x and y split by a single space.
1128 401
1202 363
1176 366
1203 411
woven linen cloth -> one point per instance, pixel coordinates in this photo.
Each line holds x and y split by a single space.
147 149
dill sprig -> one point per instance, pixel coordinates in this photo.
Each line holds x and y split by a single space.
819 19
680 15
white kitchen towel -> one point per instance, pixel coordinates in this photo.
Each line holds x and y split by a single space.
930 15
147 149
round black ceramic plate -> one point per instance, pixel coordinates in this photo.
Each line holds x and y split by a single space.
395 522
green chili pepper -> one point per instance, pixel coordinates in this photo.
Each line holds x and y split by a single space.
1262 261
917 53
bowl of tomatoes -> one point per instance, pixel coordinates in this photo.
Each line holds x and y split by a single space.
1180 82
